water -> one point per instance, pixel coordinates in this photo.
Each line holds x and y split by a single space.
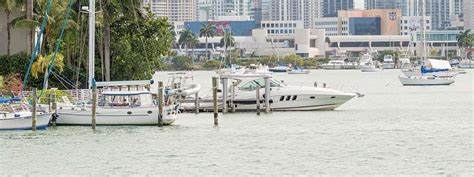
393 130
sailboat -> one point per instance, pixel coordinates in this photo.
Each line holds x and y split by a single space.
427 78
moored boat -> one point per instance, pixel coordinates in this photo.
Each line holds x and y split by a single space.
17 116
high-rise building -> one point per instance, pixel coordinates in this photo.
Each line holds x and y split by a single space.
440 12
331 7
223 9
295 10
403 5
175 10
468 20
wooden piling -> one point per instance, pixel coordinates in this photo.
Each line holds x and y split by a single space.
232 97
160 103
225 94
267 94
324 85
48 100
257 92
33 113
214 96
315 84
196 103
94 106
55 109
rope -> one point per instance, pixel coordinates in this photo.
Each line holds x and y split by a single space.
33 55
58 44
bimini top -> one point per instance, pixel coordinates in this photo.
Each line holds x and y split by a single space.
125 93
8 100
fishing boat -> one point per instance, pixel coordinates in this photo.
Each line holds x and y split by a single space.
283 97
17 116
367 64
388 62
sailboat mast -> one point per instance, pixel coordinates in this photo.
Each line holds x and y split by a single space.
423 30
91 42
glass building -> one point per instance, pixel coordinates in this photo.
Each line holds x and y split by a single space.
365 26
238 28
330 7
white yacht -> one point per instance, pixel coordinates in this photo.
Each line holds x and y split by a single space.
388 62
425 80
119 108
283 97
367 64
17 116
336 62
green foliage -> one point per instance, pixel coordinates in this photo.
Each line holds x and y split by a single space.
59 95
227 40
294 59
268 60
138 45
181 63
212 64
311 62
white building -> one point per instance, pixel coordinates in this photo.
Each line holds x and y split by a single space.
175 10
468 16
276 28
295 10
409 24
225 9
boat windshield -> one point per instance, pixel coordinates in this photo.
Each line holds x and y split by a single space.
126 100
252 85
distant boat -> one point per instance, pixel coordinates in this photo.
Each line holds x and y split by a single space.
279 69
388 62
425 81
17 116
367 64
439 68
466 64
298 70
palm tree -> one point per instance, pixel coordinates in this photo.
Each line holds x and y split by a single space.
41 66
185 37
227 41
465 39
207 30
193 42
8 7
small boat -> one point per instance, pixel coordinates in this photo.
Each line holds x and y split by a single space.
367 64
279 69
466 64
17 116
298 70
438 68
388 62
257 69
425 81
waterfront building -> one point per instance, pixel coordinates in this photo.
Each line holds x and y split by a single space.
409 24
362 22
468 16
175 10
275 28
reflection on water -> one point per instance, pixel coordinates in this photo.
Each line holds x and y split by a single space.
392 130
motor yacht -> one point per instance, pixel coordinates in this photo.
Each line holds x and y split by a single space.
388 62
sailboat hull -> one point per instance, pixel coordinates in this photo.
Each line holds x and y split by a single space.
425 81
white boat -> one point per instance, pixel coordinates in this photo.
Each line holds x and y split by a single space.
120 108
466 64
257 69
388 62
425 81
298 71
367 64
438 68
17 116
334 65
283 97
279 69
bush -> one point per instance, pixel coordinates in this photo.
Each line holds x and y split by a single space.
182 63
212 64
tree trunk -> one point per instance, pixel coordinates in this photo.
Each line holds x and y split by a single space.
30 32
100 47
107 49
207 50
8 32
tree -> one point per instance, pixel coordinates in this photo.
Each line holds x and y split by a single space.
193 43
465 40
42 64
227 41
207 30
185 38
8 7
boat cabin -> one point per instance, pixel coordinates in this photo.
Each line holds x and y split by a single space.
126 99
251 85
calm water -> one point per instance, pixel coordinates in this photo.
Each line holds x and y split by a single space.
392 130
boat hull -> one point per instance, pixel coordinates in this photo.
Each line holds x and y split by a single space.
24 123
417 73
389 66
425 81
299 72
278 70
370 69
106 116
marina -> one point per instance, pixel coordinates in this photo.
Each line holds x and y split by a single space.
387 132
